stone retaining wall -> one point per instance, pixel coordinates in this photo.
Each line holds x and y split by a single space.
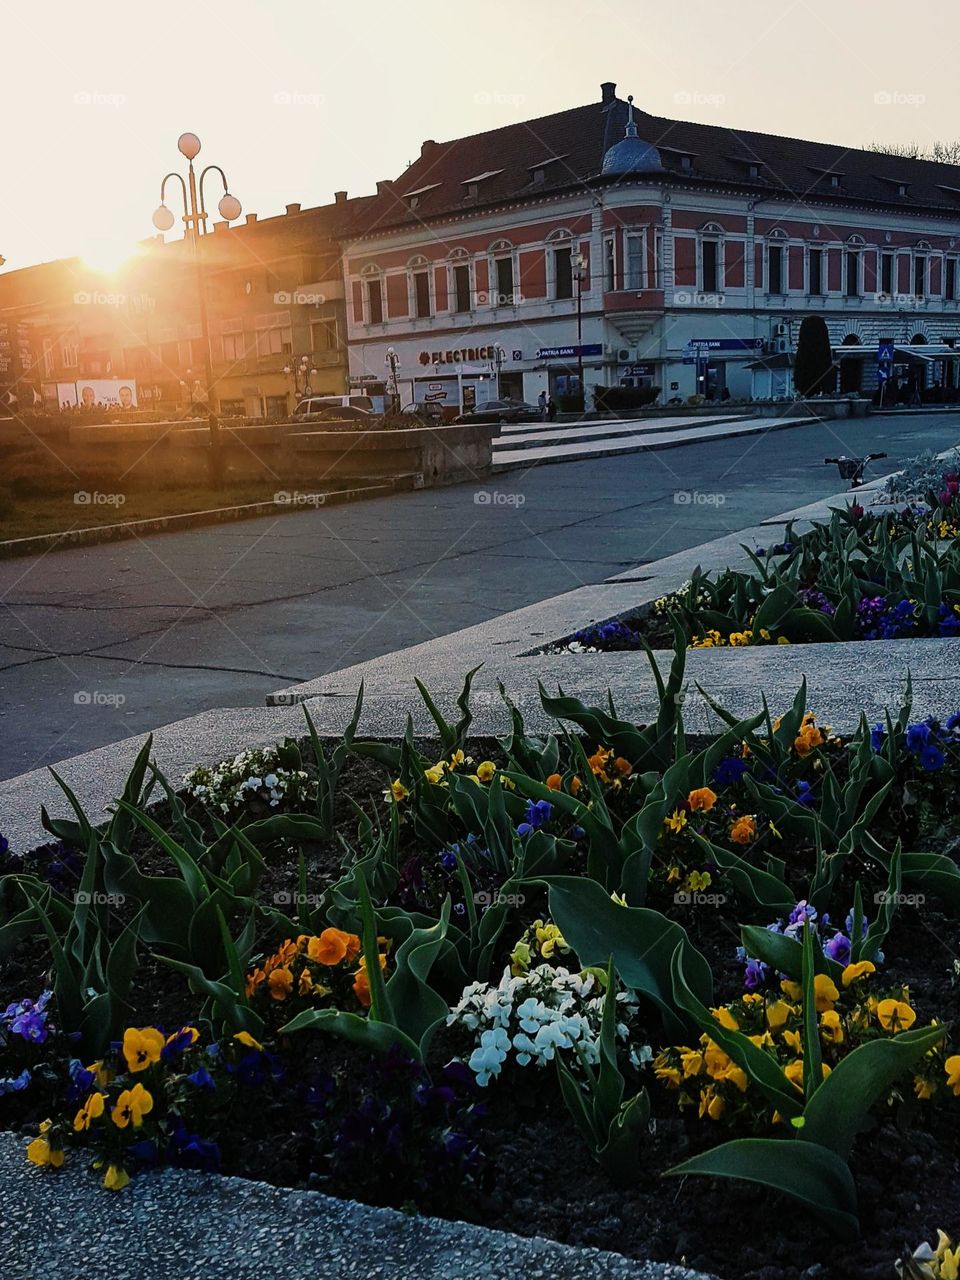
140 453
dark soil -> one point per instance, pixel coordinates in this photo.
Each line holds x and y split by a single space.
538 1177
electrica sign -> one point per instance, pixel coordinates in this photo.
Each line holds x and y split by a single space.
460 355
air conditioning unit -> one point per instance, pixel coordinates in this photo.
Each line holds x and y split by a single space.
624 355
781 331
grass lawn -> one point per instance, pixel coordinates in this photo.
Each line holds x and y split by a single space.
25 517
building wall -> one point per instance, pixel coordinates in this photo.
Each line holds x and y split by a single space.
650 323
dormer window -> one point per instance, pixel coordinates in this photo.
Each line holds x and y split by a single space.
538 171
473 184
686 164
830 177
413 199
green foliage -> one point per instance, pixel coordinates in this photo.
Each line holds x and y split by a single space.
642 943
405 1010
612 1127
813 368
828 1116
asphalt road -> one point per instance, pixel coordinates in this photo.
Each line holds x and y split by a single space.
102 642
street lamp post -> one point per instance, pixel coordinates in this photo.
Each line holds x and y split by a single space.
578 262
302 369
195 219
499 355
393 364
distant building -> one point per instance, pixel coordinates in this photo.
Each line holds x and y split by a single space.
274 294
702 247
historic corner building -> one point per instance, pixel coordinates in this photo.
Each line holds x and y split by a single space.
649 251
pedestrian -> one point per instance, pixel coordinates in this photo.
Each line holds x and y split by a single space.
552 409
542 405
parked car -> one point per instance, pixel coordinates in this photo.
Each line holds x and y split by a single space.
317 404
342 413
429 412
501 411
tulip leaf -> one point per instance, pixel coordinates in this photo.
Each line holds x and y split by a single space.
807 1172
837 1110
376 1036
785 954
641 941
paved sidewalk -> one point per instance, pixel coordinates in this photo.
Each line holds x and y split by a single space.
187 1226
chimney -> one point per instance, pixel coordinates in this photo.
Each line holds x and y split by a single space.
382 185
340 197
218 225
251 218
293 208
427 147
608 91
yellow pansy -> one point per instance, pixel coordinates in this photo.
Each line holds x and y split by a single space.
142 1047
859 970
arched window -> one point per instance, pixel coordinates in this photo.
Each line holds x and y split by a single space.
777 261
460 281
503 289
710 258
371 285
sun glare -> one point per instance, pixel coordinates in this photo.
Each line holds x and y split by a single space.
107 256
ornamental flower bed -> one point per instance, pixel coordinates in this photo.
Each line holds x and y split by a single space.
861 576
688 999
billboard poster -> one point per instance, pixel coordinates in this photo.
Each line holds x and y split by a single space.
114 393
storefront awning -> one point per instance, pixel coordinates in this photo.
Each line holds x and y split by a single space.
781 360
928 351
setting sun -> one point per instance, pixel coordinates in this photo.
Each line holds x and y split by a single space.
107 256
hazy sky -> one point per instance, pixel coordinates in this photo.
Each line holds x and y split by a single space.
299 98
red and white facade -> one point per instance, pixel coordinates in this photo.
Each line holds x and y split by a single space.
687 282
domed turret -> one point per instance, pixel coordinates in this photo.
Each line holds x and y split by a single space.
631 154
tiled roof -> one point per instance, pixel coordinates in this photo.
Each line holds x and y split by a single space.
580 136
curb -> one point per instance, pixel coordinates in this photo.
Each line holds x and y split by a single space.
175 1225
96 534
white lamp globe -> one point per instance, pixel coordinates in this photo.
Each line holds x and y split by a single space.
188 145
163 218
229 207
